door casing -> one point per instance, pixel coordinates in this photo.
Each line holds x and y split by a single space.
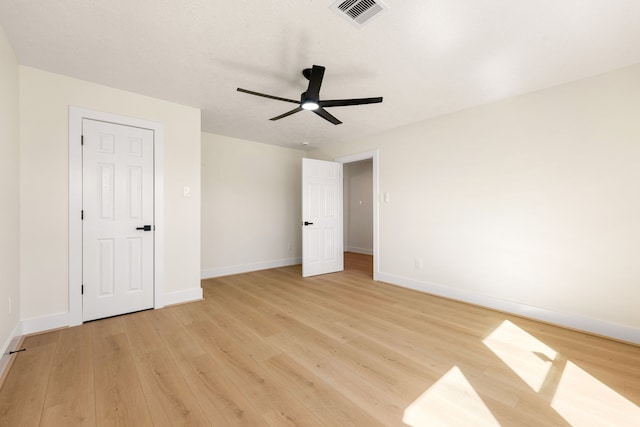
76 115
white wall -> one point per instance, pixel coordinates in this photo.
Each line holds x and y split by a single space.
9 194
44 107
251 205
358 207
528 204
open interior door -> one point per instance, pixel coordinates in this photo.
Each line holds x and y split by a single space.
322 242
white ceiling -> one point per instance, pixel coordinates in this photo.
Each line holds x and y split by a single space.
425 57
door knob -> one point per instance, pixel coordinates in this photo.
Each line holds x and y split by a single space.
308 223
144 228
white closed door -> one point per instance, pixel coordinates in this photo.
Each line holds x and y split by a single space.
118 219
322 244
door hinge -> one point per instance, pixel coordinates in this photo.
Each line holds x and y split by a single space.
82 290
82 214
81 139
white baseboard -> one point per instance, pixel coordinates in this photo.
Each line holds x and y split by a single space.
62 320
357 250
7 344
210 273
10 345
44 323
572 321
180 297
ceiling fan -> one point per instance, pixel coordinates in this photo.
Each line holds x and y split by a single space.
310 99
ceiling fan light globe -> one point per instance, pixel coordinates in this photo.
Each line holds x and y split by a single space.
310 105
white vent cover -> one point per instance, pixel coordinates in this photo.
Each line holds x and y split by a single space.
359 12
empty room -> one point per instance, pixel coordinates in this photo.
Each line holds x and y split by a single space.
319 213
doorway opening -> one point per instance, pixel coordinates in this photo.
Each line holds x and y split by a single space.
360 214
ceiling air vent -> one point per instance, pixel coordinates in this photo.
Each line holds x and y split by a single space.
359 12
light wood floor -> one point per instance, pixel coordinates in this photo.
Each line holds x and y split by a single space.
270 348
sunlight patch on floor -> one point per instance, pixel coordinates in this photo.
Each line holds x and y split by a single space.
450 401
528 357
583 400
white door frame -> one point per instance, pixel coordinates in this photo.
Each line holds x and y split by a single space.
373 155
76 115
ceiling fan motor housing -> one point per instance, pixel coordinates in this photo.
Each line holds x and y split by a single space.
310 99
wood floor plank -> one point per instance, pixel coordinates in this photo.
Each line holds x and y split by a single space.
70 395
142 335
384 407
221 401
319 316
253 314
270 348
275 404
321 399
119 397
244 335
24 391
170 400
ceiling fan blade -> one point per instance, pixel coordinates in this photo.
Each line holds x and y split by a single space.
315 81
346 102
250 92
288 113
325 115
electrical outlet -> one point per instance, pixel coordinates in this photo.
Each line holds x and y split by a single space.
418 263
